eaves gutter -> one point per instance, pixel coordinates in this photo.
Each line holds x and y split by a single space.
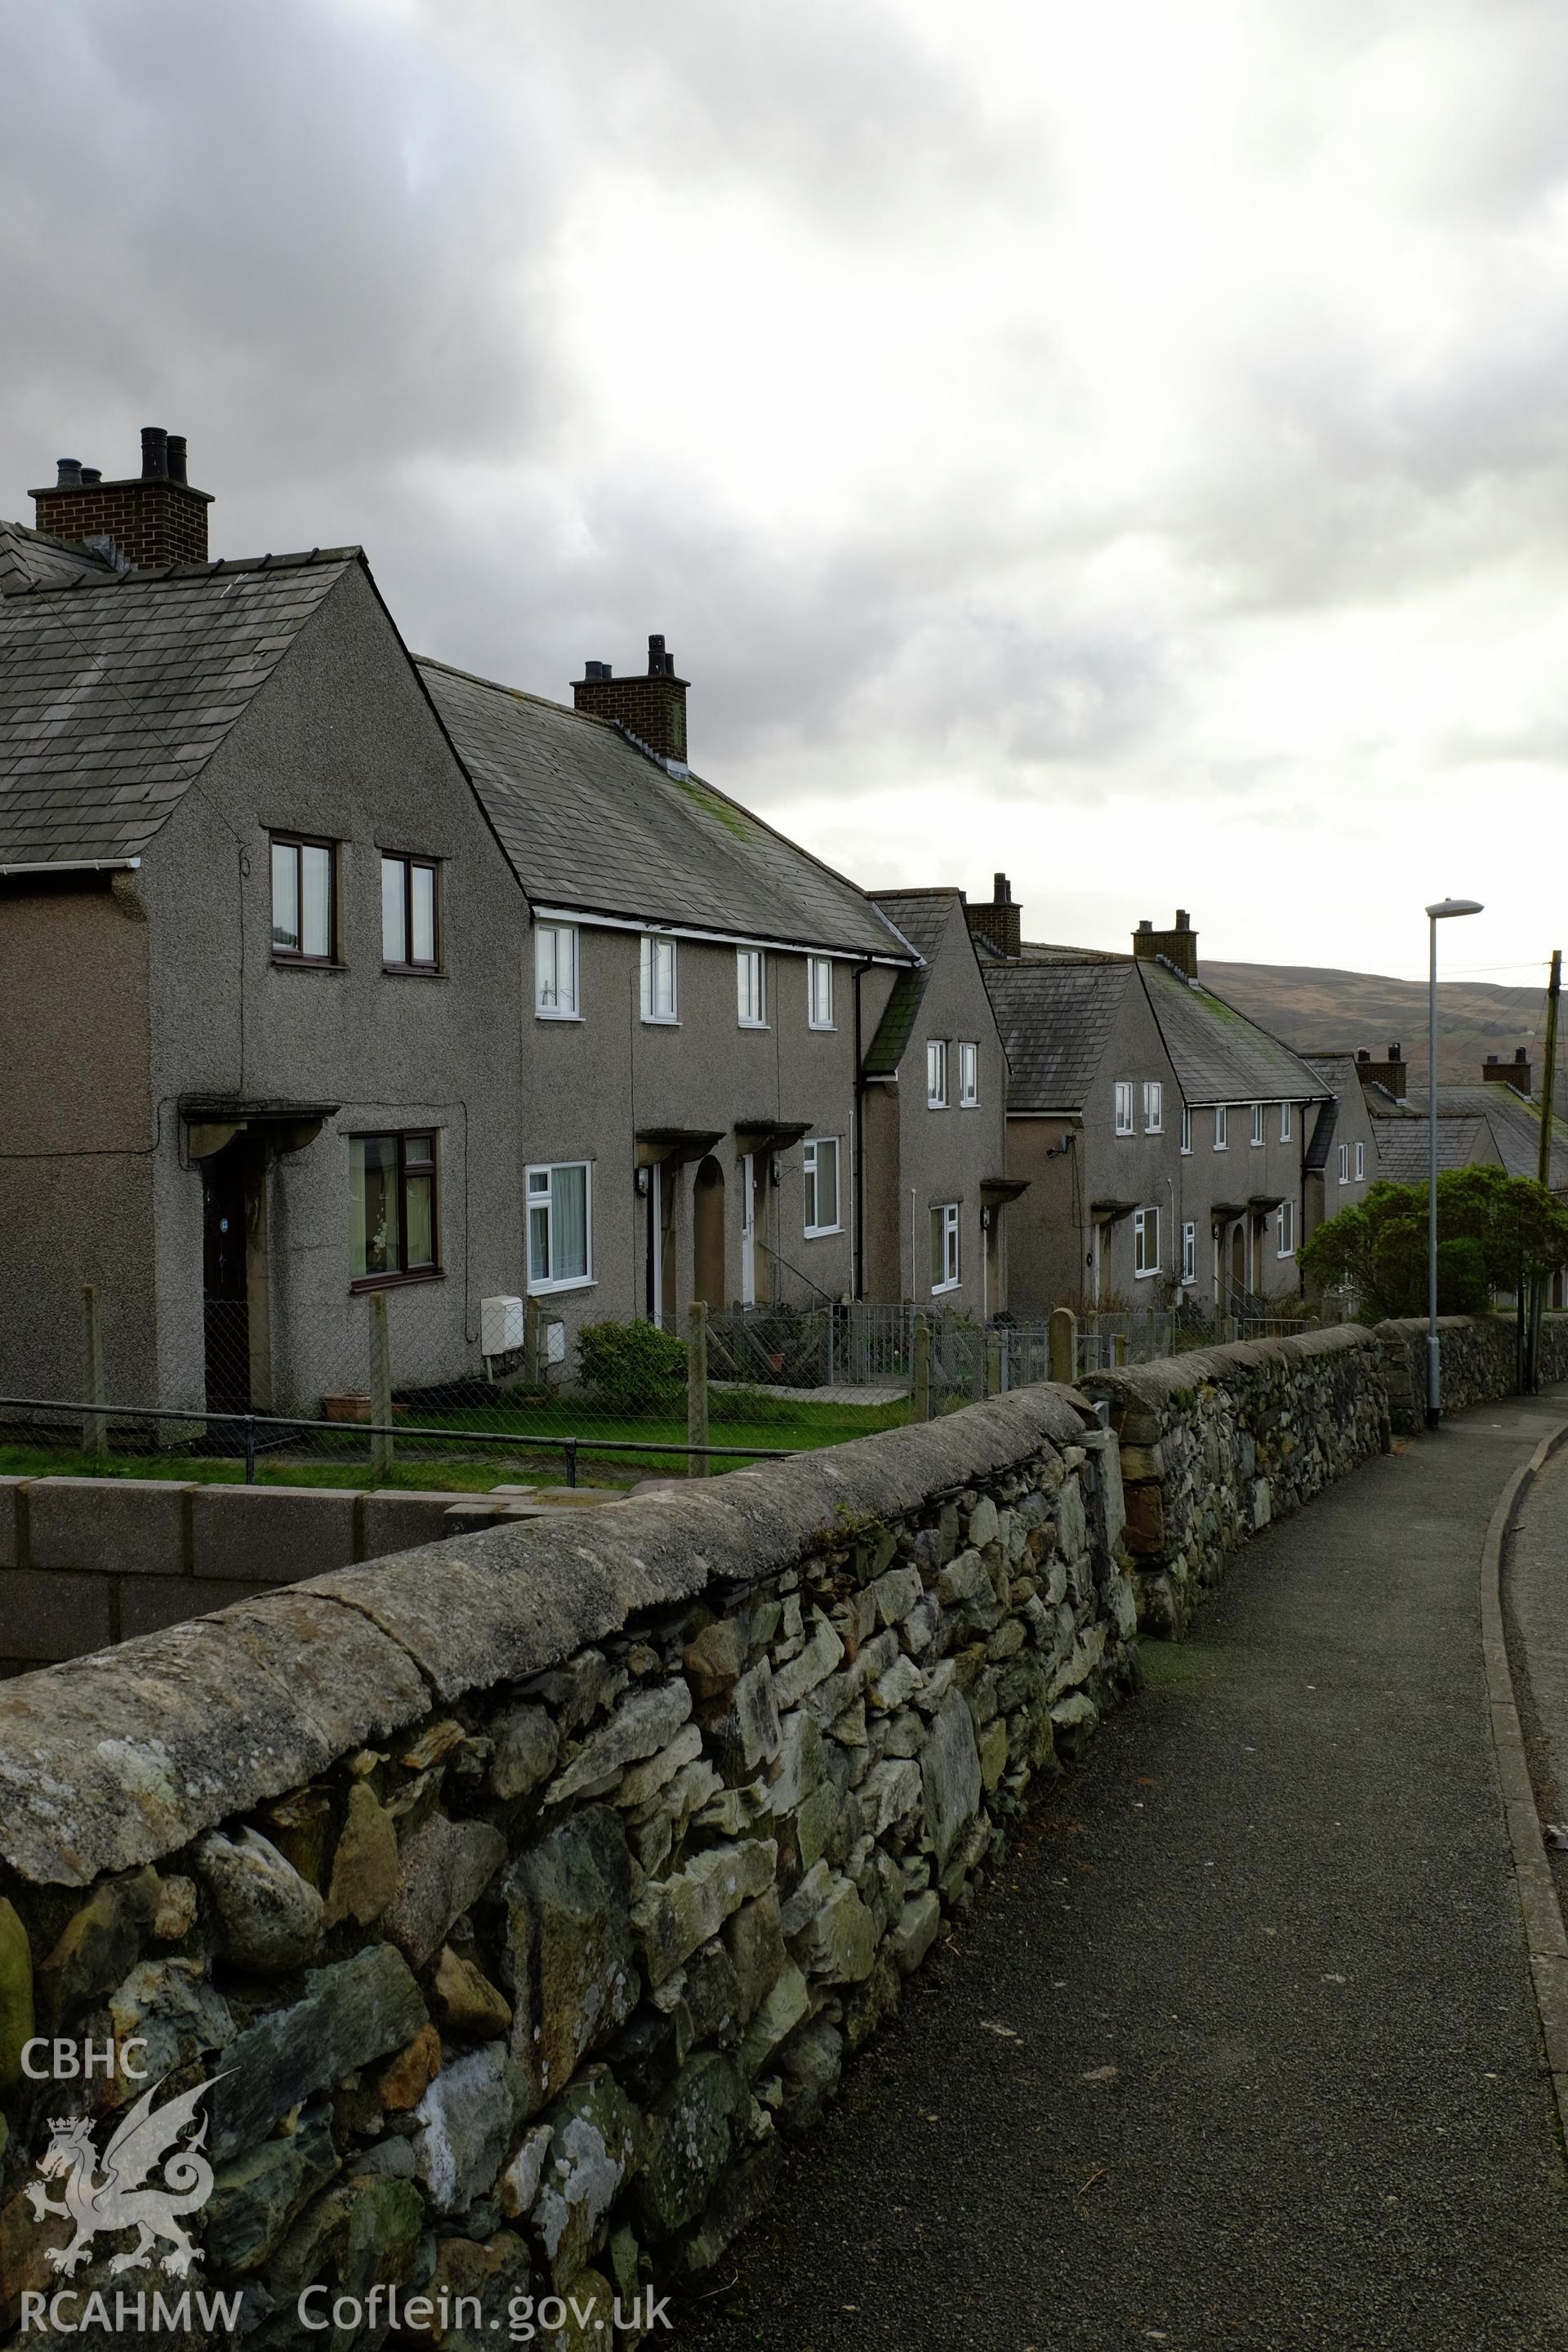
75 866
588 919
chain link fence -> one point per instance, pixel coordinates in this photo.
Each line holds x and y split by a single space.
386 1387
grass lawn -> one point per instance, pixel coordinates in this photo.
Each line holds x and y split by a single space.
499 1453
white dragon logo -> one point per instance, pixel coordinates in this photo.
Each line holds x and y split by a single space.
146 2138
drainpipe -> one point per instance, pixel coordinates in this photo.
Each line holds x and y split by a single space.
860 971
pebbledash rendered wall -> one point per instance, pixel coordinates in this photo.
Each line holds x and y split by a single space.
511 1897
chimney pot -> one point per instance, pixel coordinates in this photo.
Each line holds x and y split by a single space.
1363 1055
1184 920
1145 922
1491 1057
154 454
90 474
69 471
176 457
1520 1055
1001 890
1396 1052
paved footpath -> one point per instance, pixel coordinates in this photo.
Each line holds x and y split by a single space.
1240 2049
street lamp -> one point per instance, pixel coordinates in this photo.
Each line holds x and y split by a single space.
1435 915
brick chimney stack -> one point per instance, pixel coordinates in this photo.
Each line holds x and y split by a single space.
653 709
1517 1073
1389 1074
1001 923
1179 945
146 521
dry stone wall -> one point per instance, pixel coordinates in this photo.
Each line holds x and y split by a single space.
1479 1355
513 1897
1218 1442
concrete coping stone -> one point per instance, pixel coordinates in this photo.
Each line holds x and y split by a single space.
111 1761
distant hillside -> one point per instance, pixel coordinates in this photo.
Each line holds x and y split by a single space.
1311 1008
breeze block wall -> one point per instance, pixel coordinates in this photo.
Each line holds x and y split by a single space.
514 1895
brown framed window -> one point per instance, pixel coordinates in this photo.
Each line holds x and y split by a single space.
304 900
410 914
392 1179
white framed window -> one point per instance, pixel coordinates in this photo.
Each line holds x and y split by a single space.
1153 1107
819 992
1286 1223
1186 1129
1257 1122
658 997
1285 1122
1123 1106
561 1226
1344 1163
1145 1241
968 1077
1220 1120
751 1007
936 1074
821 1161
1360 1162
945 1273
555 972
1189 1253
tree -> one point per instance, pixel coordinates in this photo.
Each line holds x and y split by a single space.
1494 1232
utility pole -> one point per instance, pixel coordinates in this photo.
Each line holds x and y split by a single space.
1543 1164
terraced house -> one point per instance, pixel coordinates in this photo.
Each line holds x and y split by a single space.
1159 1131
699 993
328 970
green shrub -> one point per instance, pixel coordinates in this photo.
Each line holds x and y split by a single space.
632 1367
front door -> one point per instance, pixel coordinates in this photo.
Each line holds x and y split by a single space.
226 1314
748 1231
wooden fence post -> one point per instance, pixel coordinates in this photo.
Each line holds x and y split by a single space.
94 1425
1118 1349
381 1445
919 1399
993 1363
1063 1345
697 1466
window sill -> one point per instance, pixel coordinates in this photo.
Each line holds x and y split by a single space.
1147 1274
306 963
823 1028
398 1281
543 1012
1123 1134
937 1288
936 1106
1153 1130
557 1289
413 971
761 1027
970 1106
821 1233
661 1021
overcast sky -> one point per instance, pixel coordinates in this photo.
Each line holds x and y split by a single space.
1127 444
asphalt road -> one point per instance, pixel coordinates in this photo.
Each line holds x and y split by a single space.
1239 2049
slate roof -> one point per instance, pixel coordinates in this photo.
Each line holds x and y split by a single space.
592 822
1514 1122
1056 1021
1218 1055
922 917
31 559
1404 1150
116 692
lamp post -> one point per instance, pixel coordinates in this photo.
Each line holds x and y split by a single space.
1435 915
